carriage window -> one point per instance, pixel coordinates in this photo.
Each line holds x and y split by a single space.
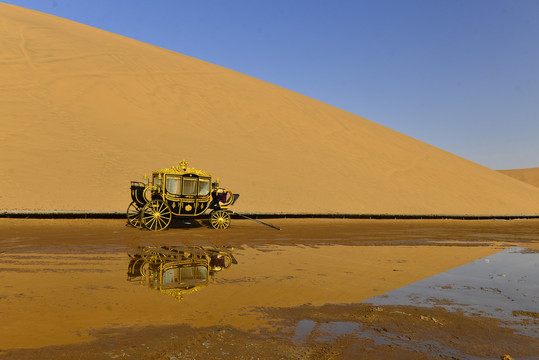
202 272
189 186
173 184
157 181
203 187
193 273
171 276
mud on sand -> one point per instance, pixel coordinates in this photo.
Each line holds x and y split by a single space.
381 333
294 294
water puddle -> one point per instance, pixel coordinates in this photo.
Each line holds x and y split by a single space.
330 331
64 297
503 286
303 330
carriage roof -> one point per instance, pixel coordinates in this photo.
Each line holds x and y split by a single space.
181 169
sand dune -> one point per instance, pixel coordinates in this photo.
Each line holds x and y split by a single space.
529 175
84 111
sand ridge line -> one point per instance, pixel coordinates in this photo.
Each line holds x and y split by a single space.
529 175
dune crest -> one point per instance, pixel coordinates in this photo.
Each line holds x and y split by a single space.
85 111
528 175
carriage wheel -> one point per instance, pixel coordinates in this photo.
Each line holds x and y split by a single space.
156 215
133 215
220 219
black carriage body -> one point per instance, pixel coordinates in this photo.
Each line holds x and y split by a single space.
138 193
187 195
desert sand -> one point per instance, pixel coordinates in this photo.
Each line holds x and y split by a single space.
528 175
84 111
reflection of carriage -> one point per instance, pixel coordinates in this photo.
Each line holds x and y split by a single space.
177 271
179 191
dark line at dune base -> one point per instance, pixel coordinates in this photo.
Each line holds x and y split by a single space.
121 215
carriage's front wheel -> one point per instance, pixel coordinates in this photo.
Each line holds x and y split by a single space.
156 215
220 219
133 215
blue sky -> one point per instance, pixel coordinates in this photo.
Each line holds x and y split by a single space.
462 75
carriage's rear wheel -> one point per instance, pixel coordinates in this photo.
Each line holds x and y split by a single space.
220 219
156 215
133 215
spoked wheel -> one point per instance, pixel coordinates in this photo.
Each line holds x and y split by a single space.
156 215
220 219
133 215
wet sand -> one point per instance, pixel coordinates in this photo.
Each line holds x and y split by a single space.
96 235
293 293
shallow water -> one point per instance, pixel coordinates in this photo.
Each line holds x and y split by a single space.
67 297
303 329
504 286
333 330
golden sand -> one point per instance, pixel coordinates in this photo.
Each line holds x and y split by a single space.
529 175
85 111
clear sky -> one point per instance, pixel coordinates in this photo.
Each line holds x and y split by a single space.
462 75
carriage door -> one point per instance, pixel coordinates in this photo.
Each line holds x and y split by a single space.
189 192
173 192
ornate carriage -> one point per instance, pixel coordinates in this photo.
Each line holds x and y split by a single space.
179 191
177 271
